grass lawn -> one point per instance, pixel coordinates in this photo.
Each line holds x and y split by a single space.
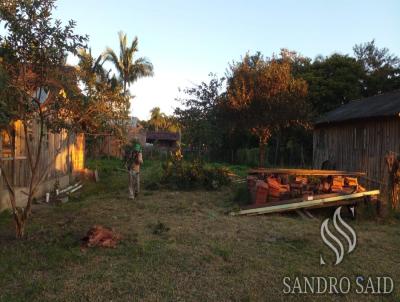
179 246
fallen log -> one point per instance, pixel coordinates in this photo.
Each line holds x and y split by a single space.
290 206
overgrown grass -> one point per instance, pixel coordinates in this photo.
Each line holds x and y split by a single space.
105 165
178 246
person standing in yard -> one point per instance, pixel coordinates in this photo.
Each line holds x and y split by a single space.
134 160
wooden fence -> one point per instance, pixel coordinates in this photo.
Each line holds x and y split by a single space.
62 153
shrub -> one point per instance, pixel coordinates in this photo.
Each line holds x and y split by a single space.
215 177
179 174
242 195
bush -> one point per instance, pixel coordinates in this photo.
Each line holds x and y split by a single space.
242 195
214 178
179 174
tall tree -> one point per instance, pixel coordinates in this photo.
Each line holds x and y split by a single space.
156 120
198 115
33 53
159 121
332 81
266 97
129 69
381 68
101 108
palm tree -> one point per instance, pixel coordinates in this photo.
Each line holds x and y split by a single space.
129 70
91 68
157 119
161 121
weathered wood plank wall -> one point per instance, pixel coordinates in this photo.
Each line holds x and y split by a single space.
357 146
62 153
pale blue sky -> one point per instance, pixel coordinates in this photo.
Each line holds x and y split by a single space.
186 40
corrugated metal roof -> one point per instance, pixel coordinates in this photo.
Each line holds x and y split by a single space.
381 105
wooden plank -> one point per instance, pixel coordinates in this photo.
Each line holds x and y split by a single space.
301 214
351 202
293 200
308 214
303 204
305 172
12 158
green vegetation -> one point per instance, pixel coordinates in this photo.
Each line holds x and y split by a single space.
195 174
159 121
129 68
223 118
33 49
176 246
264 96
173 174
86 98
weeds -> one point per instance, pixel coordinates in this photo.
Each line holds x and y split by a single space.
159 228
179 174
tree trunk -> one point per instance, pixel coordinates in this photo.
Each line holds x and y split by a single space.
264 134
303 162
20 229
276 150
262 153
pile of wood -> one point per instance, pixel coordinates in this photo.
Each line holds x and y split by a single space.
100 236
346 184
276 190
337 184
279 190
276 187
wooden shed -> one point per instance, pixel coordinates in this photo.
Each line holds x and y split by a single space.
358 135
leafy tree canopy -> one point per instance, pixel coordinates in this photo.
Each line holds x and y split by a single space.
266 96
161 122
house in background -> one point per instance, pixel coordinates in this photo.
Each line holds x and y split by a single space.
357 136
163 139
62 155
114 146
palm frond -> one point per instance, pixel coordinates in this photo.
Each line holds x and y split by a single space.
142 68
109 55
122 43
129 70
